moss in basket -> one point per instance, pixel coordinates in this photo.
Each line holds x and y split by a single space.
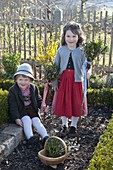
54 147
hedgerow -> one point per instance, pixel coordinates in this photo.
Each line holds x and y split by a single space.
3 106
103 154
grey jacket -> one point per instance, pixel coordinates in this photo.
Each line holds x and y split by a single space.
78 57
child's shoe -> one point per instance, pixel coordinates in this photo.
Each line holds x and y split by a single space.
63 132
34 140
44 140
72 132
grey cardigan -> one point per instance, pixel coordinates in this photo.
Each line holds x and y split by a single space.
78 57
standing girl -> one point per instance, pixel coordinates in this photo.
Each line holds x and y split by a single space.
70 58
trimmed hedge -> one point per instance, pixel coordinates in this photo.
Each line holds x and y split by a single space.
6 84
103 154
3 106
102 96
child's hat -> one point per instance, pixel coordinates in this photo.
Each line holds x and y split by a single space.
24 69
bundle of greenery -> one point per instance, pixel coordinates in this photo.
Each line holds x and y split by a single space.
93 49
51 71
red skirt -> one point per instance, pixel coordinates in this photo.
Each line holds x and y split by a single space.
69 96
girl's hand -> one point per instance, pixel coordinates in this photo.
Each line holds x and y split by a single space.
43 108
89 72
19 122
55 89
88 66
46 109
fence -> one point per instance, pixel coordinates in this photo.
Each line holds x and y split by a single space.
22 28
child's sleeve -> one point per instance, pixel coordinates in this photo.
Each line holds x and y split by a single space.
89 72
38 97
13 107
57 62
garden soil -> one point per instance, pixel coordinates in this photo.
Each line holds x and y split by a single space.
25 157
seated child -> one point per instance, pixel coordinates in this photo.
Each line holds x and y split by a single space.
24 102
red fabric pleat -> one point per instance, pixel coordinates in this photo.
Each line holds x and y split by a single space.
69 96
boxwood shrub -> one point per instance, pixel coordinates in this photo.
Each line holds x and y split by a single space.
6 84
102 96
3 106
103 154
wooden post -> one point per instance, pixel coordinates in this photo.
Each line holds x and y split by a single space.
57 21
15 29
24 42
19 41
30 39
93 35
111 46
9 37
35 49
105 33
82 11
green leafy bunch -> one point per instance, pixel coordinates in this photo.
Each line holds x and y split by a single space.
54 147
94 49
51 71
10 62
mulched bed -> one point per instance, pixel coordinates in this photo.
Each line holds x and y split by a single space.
92 126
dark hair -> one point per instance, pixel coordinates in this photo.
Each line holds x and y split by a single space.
75 28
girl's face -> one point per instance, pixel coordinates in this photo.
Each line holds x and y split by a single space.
23 82
71 39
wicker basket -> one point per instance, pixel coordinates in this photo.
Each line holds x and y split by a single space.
52 161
